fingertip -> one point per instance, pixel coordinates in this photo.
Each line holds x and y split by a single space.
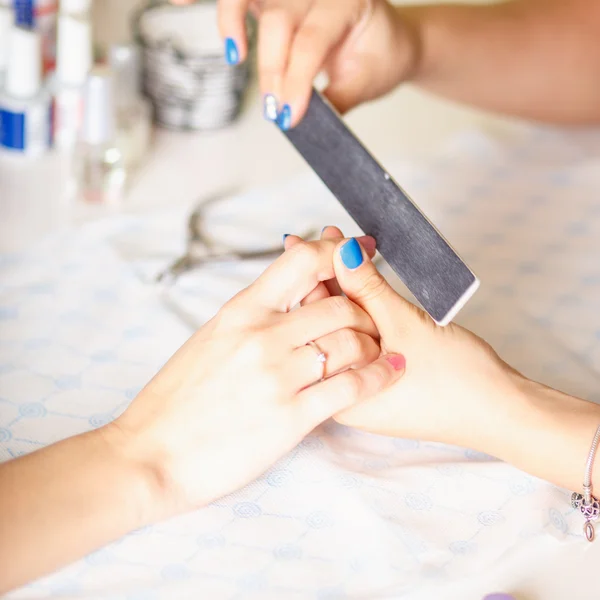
235 45
232 27
290 240
331 232
285 118
297 107
232 51
369 245
368 242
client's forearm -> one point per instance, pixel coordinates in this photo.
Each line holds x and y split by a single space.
64 501
547 434
530 58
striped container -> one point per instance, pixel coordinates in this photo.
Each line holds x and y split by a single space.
186 76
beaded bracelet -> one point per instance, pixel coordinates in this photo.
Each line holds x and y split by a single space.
586 502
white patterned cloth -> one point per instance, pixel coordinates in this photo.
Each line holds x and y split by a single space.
346 514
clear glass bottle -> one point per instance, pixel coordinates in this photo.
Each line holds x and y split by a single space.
133 111
100 168
7 18
73 63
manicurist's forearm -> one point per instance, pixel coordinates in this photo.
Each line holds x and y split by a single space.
536 59
64 501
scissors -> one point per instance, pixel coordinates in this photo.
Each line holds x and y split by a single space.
201 249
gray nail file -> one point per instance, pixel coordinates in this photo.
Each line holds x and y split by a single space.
429 267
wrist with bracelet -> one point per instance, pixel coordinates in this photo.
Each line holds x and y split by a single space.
586 503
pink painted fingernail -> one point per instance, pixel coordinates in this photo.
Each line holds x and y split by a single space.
397 361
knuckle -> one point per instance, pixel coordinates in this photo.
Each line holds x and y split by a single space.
305 254
373 286
350 385
271 65
352 343
276 17
341 306
377 378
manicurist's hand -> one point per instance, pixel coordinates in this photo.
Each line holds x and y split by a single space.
455 388
454 381
365 47
473 53
242 392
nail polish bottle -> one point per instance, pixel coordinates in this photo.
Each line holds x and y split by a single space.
133 111
24 105
40 16
99 166
73 63
7 18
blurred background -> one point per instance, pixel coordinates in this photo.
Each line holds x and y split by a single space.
134 108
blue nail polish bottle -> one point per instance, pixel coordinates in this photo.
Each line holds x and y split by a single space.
351 254
232 55
284 120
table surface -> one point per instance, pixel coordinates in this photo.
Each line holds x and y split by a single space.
250 154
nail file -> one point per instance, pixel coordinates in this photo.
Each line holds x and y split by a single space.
429 267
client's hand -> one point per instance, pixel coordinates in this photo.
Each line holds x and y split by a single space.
235 398
454 381
239 394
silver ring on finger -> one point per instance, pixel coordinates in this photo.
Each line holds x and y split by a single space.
321 358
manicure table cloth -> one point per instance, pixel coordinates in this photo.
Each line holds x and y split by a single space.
345 514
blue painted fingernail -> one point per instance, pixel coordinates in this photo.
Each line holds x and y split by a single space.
270 107
284 120
284 236
351 254
232 55
324 228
